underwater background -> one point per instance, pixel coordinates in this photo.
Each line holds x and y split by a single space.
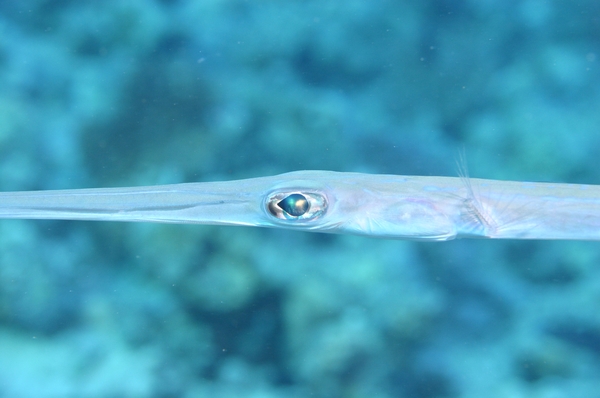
143 92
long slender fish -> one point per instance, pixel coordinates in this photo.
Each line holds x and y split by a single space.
385 206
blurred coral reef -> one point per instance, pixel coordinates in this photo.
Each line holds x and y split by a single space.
141 92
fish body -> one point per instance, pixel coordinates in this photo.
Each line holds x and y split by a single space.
384 206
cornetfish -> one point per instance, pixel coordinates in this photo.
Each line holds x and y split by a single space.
383 206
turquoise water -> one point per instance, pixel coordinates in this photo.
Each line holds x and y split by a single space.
118 93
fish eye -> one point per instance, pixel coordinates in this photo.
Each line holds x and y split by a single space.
296 205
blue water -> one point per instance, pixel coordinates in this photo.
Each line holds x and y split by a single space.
134 92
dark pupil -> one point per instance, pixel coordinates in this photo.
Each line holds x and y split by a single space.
294 205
